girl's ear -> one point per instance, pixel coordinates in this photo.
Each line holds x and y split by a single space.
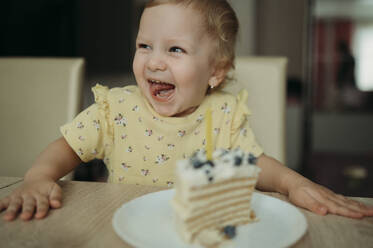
218 76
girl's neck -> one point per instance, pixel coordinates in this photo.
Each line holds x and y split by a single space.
186 112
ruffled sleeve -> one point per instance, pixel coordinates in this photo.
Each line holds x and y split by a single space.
242 111
90 134
101 98
241 133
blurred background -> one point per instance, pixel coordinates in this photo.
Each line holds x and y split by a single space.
328 43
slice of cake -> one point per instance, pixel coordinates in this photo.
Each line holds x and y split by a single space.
213 197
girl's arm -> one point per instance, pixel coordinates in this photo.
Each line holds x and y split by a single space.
272 176
305 193
39 191
56 161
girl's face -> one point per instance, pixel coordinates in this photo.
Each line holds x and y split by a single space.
172 63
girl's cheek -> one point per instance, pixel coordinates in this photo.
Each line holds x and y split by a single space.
137 64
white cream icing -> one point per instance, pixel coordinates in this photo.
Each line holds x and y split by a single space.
195 171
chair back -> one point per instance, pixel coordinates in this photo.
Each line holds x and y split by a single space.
264 79
37 95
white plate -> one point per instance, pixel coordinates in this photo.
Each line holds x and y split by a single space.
147 222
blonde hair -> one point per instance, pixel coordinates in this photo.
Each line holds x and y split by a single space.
221 25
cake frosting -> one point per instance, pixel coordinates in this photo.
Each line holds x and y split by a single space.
213 196
198 171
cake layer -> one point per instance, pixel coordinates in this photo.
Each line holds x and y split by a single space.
188 210
238 180
239 208
233 219
222 191
186 193
218 219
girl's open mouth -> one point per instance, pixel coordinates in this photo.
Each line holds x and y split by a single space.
161 91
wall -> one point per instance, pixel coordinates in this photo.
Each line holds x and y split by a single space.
281 30
104 35
246 14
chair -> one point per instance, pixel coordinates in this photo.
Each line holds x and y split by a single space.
37 95
264 79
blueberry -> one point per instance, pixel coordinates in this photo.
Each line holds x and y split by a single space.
209 162
252 159
237 161
197 164
225 151
229 231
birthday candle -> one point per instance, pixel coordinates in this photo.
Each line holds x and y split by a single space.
208 134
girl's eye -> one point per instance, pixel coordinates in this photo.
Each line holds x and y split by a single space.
141 45
177 50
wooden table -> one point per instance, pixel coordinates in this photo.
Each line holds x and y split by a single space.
85 220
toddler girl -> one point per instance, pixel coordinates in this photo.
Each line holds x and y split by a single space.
184 50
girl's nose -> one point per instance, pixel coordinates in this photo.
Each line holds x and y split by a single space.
156 63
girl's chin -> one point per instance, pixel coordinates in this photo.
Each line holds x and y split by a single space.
167 111
164 112
162 108
173 113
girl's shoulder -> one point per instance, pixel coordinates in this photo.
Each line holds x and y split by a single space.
115 95
231 105
222 96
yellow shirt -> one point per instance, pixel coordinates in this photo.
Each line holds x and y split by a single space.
139 146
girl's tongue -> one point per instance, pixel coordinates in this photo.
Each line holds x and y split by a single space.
161 91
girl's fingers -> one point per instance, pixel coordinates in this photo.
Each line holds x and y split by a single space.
328 198
42 206
316 207
348 203
335 207
367 210
13 208
55 197
305 200
4 203
354 205
28 207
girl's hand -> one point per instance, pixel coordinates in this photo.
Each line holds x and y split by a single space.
321 200
32 198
